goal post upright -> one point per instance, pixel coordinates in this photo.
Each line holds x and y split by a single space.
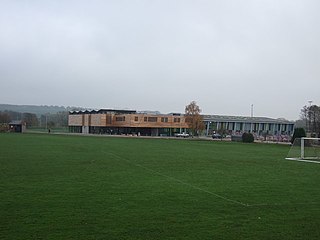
305 149
302 152
302 148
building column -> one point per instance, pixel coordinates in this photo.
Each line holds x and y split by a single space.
208 127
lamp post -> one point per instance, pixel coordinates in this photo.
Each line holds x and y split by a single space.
251 110
309 116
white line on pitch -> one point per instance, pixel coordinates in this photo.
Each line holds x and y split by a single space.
179 181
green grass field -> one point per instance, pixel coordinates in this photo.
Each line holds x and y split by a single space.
77 187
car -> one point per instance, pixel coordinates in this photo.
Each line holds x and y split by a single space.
216 136
184 135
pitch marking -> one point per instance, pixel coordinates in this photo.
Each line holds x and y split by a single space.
203 190
180 181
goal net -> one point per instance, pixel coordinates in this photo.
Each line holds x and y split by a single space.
305 149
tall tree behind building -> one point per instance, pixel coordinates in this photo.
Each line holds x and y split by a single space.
311 116
193 118
4 117
30 119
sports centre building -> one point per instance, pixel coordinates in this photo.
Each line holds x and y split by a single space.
109 121
260 126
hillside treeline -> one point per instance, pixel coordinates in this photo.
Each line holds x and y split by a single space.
59 119
38 110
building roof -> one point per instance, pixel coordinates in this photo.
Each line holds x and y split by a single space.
16 122
207 118
102 111
222 118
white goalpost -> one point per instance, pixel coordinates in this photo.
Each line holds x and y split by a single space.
305 150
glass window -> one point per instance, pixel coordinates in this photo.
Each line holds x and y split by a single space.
120 119
164 119
152 119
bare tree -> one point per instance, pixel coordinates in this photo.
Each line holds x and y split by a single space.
4 117
193 118
311 116
31 119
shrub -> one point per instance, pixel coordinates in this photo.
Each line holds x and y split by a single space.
247 138
4 127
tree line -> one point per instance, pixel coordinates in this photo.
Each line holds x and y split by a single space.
50 120
310 115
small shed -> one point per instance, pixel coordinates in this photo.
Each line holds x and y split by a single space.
17 126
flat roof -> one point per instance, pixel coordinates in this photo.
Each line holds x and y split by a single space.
223 118
16 122
103 111
207 118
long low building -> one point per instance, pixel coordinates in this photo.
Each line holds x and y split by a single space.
238 124
109 121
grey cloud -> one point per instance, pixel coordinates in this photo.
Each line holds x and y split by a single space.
160 55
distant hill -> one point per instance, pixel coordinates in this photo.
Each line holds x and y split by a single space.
45 109
38 110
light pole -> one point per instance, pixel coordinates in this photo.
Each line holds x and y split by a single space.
251 110
309 116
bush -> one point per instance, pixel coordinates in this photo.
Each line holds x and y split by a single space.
4 127
298 133
247 138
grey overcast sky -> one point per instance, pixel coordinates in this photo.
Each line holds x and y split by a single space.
162 54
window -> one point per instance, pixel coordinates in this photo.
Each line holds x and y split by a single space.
145 119
164 119
136 119
152 119
176 120
120 119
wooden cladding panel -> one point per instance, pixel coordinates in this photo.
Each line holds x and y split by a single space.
87 120
98 120
150 123
138 120
75 120
127 120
